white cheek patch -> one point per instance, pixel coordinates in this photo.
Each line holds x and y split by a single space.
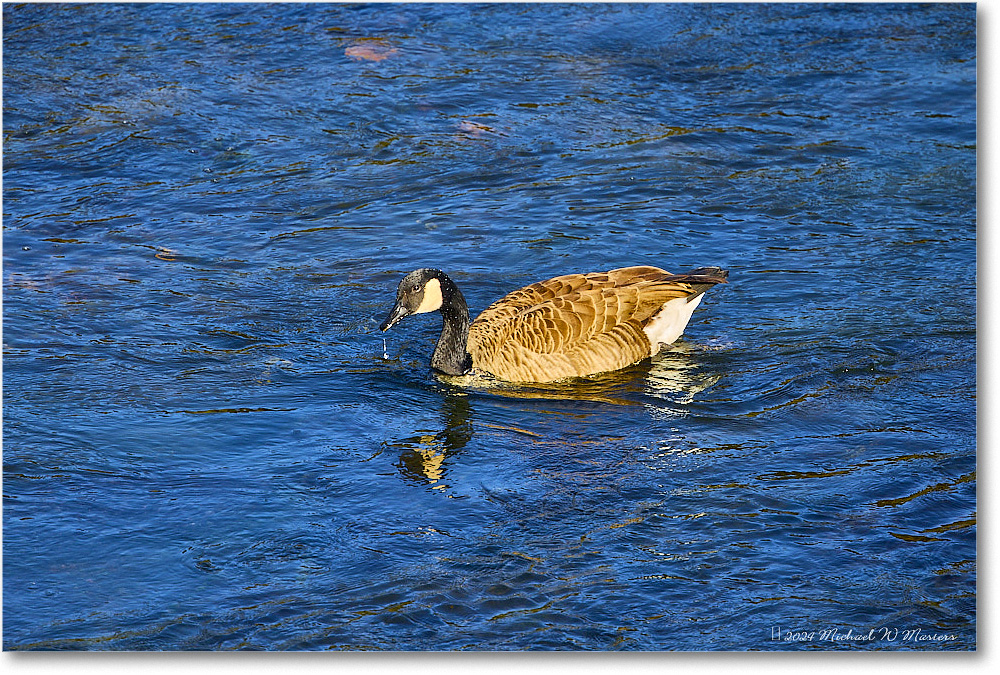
432 299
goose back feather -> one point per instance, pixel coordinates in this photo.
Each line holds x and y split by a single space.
580 324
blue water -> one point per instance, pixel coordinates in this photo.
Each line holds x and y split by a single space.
207 445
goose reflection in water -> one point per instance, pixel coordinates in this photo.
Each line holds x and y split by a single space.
676 376
667 383
422 457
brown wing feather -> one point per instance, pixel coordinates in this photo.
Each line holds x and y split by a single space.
574 325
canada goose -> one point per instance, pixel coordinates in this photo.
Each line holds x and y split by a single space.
570 326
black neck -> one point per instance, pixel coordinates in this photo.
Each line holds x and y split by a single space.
451 355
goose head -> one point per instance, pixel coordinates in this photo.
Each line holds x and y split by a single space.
420 291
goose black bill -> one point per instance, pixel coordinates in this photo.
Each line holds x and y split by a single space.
398 313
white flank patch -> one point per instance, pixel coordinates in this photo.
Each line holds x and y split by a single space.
432 299
668 324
